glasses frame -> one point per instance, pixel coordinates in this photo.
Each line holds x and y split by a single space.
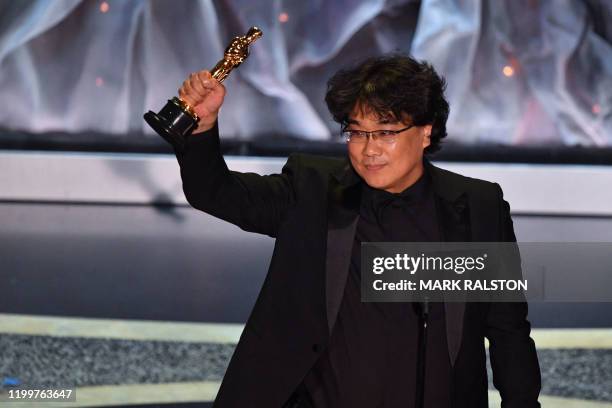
374 135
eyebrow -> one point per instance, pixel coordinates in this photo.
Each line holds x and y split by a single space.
381 121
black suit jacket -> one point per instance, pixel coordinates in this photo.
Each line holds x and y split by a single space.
311 208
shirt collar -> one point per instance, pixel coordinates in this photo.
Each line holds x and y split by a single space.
413 194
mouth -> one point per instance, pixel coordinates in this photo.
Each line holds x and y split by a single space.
374 167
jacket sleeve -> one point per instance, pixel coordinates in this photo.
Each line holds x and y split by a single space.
516 371
251 201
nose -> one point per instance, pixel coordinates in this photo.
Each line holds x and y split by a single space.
371 147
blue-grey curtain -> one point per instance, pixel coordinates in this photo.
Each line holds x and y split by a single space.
519 72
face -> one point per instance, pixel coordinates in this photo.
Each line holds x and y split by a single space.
390 167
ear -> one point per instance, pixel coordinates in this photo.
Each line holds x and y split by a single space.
426 135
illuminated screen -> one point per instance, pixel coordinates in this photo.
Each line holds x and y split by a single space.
519 74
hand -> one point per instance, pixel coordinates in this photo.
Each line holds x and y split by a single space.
205 95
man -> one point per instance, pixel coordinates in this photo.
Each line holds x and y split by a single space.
310 341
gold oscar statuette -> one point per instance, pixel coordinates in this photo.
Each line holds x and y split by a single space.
177 119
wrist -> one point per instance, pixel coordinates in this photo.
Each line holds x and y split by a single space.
204 126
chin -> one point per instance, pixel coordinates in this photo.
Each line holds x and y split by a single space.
375 182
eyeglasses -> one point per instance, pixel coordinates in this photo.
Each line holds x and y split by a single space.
361 136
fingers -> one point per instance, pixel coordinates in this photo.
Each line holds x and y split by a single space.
197 86
188 94
204 95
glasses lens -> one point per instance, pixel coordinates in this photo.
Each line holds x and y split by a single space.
357 136
385 136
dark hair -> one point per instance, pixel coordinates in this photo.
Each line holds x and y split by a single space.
393 84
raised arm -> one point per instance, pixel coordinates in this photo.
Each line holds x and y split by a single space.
253 202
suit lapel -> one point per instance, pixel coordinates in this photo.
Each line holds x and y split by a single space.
342 215
451 205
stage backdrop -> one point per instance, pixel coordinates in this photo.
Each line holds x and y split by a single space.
522 72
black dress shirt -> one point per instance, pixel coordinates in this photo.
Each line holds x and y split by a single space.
371 360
